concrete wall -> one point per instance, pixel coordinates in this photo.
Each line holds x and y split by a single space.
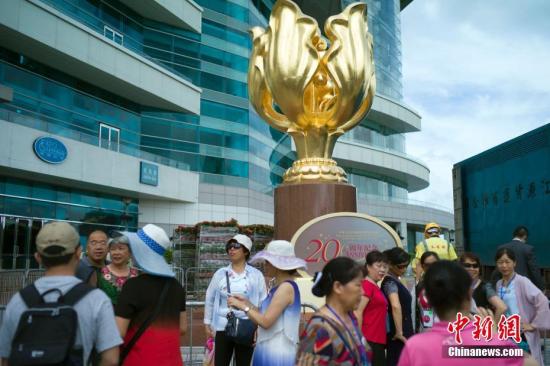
90 167
397 116
179 13
216 203
413 174
411 214
43 33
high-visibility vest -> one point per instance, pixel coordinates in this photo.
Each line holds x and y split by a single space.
439 246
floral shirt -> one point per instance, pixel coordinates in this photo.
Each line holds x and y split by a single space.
112 284
321 344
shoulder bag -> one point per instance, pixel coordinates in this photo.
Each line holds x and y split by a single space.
240 331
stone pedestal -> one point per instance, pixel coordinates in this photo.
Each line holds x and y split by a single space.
296 204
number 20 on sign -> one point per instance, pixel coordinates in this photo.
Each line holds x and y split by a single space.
320 251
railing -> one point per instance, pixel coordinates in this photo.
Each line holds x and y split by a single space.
99 26
193 349
189 352
194 281
2 311
407 201
388 150
14 280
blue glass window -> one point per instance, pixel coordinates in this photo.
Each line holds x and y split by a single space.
17 206
223 111
51 202
236 168
211 137
21 80
16 188
227 8
44 191
226 33
209 164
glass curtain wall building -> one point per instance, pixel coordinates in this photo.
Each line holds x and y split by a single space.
150 101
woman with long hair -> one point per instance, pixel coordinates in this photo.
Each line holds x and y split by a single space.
400 300
426 260
278 317
425 316
373 308
522 297
244 280
484 294
332 336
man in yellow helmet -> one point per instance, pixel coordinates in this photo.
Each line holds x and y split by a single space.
433 243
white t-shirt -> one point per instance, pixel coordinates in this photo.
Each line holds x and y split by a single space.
96 320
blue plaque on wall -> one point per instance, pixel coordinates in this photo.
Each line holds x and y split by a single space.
149 174
50 150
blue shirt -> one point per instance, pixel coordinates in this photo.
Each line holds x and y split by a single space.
508 295
250 283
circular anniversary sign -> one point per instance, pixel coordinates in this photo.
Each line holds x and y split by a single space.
346 234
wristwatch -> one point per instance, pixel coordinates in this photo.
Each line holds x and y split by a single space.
247 309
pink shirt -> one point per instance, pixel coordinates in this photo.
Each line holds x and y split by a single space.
426 349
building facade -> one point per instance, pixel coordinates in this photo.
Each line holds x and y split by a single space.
117 113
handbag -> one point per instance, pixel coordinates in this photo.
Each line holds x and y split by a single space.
240 331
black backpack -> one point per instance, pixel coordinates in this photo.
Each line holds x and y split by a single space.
47 330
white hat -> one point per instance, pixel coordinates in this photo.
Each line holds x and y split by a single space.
243 240
148 246
280 253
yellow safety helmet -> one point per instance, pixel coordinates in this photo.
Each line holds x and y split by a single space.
429 229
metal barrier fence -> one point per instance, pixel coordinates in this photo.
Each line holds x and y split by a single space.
195 281
14 280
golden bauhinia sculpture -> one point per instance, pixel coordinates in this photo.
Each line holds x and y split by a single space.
312 88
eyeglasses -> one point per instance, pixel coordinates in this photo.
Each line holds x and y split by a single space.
233 246
402 266
470 265
97 242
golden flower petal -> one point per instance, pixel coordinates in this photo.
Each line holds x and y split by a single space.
350 64
292 58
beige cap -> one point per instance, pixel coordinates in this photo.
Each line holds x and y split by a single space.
57 234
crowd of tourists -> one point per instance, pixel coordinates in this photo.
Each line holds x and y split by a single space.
131 310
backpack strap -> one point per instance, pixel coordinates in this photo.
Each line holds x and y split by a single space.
76 293
425 245
31 296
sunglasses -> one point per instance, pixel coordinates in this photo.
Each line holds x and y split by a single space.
470 265
233 246
402 266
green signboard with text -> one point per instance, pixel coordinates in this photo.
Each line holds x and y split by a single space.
505 187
